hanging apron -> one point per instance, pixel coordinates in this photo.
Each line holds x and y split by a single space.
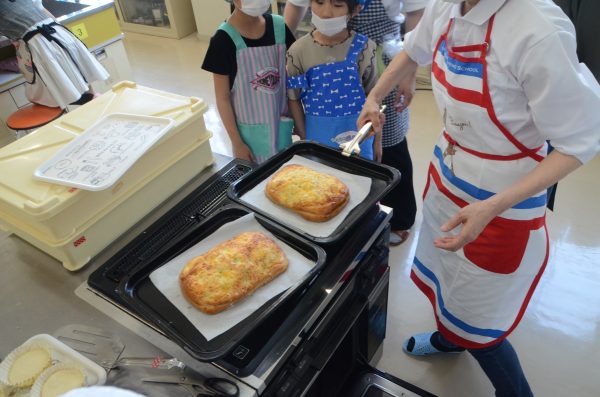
333 96
479 293
57 66
258 96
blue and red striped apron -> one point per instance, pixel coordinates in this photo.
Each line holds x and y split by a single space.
259 95
479 293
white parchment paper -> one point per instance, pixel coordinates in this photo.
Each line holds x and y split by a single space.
358 185
166 279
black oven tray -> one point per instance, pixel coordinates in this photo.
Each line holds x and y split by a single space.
149 303
383 177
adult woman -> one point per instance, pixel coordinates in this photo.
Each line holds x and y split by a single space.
57 66
506 79
375 21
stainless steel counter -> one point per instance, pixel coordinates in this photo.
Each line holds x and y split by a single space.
38 295
67 11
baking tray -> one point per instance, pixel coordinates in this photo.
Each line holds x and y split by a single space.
383 179
148 302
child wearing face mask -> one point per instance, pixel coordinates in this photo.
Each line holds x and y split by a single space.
247 58
330 71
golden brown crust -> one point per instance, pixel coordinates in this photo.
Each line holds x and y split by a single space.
313 195
231 271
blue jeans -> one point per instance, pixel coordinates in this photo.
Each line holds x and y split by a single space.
501 365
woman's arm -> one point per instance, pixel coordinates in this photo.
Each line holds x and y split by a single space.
406 88
475 217
223 97
401 68
293 14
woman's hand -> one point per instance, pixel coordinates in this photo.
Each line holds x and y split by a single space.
370 112
242 151
473 218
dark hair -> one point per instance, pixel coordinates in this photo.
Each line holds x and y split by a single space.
350 3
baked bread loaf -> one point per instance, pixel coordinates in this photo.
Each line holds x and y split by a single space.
313 195
231 271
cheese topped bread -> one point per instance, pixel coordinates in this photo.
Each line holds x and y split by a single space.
231 271
315 196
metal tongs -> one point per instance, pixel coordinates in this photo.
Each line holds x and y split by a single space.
354 145
199 387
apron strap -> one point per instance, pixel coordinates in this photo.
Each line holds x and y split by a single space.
236 37
279 28
299 81
358 43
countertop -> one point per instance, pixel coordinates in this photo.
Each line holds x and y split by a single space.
93 6
38 296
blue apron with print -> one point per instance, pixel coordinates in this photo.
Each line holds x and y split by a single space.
333 96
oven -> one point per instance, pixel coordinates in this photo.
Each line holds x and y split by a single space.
319 341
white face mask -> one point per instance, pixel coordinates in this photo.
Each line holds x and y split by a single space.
255 8
453 1
330 26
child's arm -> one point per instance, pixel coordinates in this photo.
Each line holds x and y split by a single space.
377 148
297 112
223 96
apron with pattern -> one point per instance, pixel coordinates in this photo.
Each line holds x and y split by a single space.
258 95
333 96
479 293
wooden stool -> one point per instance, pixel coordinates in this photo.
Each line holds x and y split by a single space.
31 117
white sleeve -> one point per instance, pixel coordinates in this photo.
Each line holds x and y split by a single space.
417 42
38 4
300 3
414 5
563 96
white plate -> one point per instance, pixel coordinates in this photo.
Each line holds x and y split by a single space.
96 159
60 353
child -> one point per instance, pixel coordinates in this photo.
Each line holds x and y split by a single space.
57 65
247 58
331 69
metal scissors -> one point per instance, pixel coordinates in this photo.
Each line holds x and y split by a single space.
200 387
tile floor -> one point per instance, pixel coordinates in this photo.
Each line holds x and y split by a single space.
559 338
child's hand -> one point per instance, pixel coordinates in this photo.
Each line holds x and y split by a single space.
242 151
301 134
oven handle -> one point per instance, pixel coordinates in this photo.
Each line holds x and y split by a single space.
341 328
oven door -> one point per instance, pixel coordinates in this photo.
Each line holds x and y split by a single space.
333 360
371 382
355 340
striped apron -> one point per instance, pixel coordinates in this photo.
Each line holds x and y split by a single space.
258 95
479 293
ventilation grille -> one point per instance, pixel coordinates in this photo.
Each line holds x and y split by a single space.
173 224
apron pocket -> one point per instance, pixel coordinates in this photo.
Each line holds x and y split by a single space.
258 138
500 247
284 135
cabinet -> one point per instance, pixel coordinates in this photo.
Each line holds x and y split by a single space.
10 101
166 18
209 15
114 59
